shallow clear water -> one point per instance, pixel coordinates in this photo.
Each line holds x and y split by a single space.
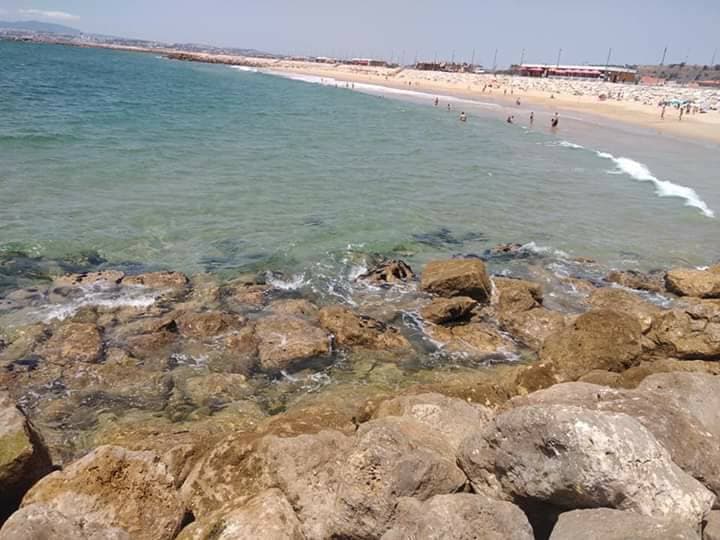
152 163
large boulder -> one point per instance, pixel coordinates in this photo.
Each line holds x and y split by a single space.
390 458
687 440
351 330
632 279
388 273
461 516
73 342
569 457
625 302
457 277
689 332
41 522
115 488
598 339
445 310
532 327
24 459
450 418
305 468
609 524
712 527
268 516
285 341
692 282
515 295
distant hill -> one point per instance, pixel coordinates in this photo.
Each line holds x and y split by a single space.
40 27
682 73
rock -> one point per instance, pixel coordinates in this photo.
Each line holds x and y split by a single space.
696 394
457 277
511 248
73 342
391 457
305 468
388 273
608 524
602 378
689 332
712 527
626 302
21 343
532 327
461 516
208 324
449 418
106 278
691 282
472 340
515 295
24 458
632 377
215 389
570 457
632 279
115 488
268 516
296 307
598 339
285 341
246 291
40 522
351 330
686 439
242 347
445 310
158 280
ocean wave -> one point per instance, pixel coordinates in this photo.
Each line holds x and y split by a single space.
294 283
245 68
663 188
134 298
568 144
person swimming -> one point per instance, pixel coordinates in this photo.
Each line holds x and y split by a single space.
510 119
463 117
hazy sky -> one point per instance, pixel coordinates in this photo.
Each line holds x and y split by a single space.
637 30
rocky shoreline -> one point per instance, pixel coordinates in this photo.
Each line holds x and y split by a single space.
467 407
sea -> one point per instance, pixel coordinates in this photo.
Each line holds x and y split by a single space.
112 159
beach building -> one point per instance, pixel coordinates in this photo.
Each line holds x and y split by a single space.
609 73
368 62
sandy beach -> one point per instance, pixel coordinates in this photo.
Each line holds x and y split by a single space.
631 104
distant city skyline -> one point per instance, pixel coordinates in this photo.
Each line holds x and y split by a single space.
403 30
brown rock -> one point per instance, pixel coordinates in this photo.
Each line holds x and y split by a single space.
351 330
689 332
297 307
284 341
532 327
473 339
114 487
457 277
598 339
691 282
388 272
208 324
73 342
158 280
632 279
625 302
445 310
515 295
90 279
712 527
24 458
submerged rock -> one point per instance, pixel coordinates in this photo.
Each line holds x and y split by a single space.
445 310
608 524
568 457
106 278
472 340
24 458
461 516
598 339
158 280
388 273
208 324
457 277
115 488
73 342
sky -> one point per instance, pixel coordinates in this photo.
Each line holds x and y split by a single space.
402 30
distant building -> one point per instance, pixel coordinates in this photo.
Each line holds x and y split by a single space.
609 73
449 67
368 62
709 84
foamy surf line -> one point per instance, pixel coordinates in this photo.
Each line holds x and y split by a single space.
641 173
377 88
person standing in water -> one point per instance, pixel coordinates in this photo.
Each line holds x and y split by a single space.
555 120
437 101
463 117
532 118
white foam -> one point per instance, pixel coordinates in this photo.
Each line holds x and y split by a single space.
663 188
97 298
245 68
292 284
568 144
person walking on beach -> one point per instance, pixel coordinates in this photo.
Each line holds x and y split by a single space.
463 117
682 110
662 113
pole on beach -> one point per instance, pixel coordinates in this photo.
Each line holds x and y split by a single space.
662 62
558 60
522 57
712 62
607 62
495 62
472 62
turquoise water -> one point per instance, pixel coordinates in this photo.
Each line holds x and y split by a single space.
149 163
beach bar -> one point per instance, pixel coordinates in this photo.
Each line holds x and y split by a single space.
608 73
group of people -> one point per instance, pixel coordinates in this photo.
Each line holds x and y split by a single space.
510 119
